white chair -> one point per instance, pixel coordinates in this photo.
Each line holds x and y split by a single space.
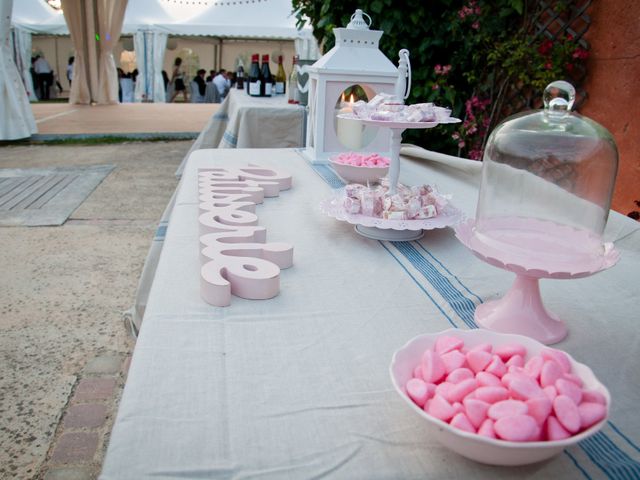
212 95
195 93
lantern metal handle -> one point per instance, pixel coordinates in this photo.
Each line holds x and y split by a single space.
403 86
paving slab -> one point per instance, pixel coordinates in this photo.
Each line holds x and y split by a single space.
64 288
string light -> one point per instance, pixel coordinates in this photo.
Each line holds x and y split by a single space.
207 3
55 4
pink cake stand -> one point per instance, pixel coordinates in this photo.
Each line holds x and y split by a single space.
394 230
532 249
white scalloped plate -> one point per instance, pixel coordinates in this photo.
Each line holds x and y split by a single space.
333 207
403 125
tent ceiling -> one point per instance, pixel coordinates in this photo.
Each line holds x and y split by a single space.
216 18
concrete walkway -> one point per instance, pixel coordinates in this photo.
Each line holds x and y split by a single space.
63 289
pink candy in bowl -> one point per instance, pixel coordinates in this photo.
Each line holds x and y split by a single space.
360 168
478 388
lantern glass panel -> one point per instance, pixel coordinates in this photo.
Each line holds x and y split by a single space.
353 134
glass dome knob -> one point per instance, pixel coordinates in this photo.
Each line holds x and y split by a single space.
559 97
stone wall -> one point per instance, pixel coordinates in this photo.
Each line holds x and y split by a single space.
613 87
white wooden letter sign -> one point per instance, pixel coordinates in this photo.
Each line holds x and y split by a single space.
234 254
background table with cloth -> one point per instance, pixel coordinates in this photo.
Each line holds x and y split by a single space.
298 386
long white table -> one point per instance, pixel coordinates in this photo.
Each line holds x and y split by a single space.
243 121
297 387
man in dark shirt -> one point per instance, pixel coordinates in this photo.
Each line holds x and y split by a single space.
199 79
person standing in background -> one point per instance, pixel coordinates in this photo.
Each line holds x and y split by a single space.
44 76
177 79
70 70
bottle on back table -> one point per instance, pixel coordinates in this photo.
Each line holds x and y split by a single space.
240 76
294 94
281 78
255 77
265 73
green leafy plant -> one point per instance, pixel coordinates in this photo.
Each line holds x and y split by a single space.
465 55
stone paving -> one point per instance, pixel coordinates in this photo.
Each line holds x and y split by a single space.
63 290
81 438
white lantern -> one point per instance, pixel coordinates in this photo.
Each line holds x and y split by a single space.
354 60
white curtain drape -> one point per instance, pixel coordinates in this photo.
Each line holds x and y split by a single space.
16 117
22 57
95 27
150 47
109 21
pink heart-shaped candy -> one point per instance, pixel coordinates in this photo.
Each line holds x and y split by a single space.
507 408
433 368
539 408
516 428
505 352
462 422
476 411
453 360
440 408
487 429
492 394
591 413
555 431
478 360
567 413
446 344
459 374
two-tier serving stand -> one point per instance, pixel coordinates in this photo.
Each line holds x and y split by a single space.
393 230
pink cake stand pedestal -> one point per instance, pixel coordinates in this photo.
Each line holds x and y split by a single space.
532 249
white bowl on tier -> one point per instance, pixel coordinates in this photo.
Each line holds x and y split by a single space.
362 175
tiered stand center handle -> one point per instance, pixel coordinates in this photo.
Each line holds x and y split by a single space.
394 167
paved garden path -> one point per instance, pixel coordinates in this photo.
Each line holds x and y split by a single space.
63 345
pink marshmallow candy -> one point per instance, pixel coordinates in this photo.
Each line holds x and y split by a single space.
501 393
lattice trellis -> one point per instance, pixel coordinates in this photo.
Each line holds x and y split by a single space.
552 20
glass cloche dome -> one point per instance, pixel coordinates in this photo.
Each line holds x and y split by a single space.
547 182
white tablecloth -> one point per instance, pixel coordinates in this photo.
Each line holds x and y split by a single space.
297 386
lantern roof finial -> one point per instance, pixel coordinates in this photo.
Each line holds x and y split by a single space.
358 22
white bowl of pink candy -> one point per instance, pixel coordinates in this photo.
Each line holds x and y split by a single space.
496 398
359 167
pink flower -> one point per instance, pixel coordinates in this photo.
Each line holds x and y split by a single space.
461 144
446 69
548 65
545 47
580 53
455 136
435 86
438 69
475 154
475 25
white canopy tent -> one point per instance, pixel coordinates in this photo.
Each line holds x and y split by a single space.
152 21
272 19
